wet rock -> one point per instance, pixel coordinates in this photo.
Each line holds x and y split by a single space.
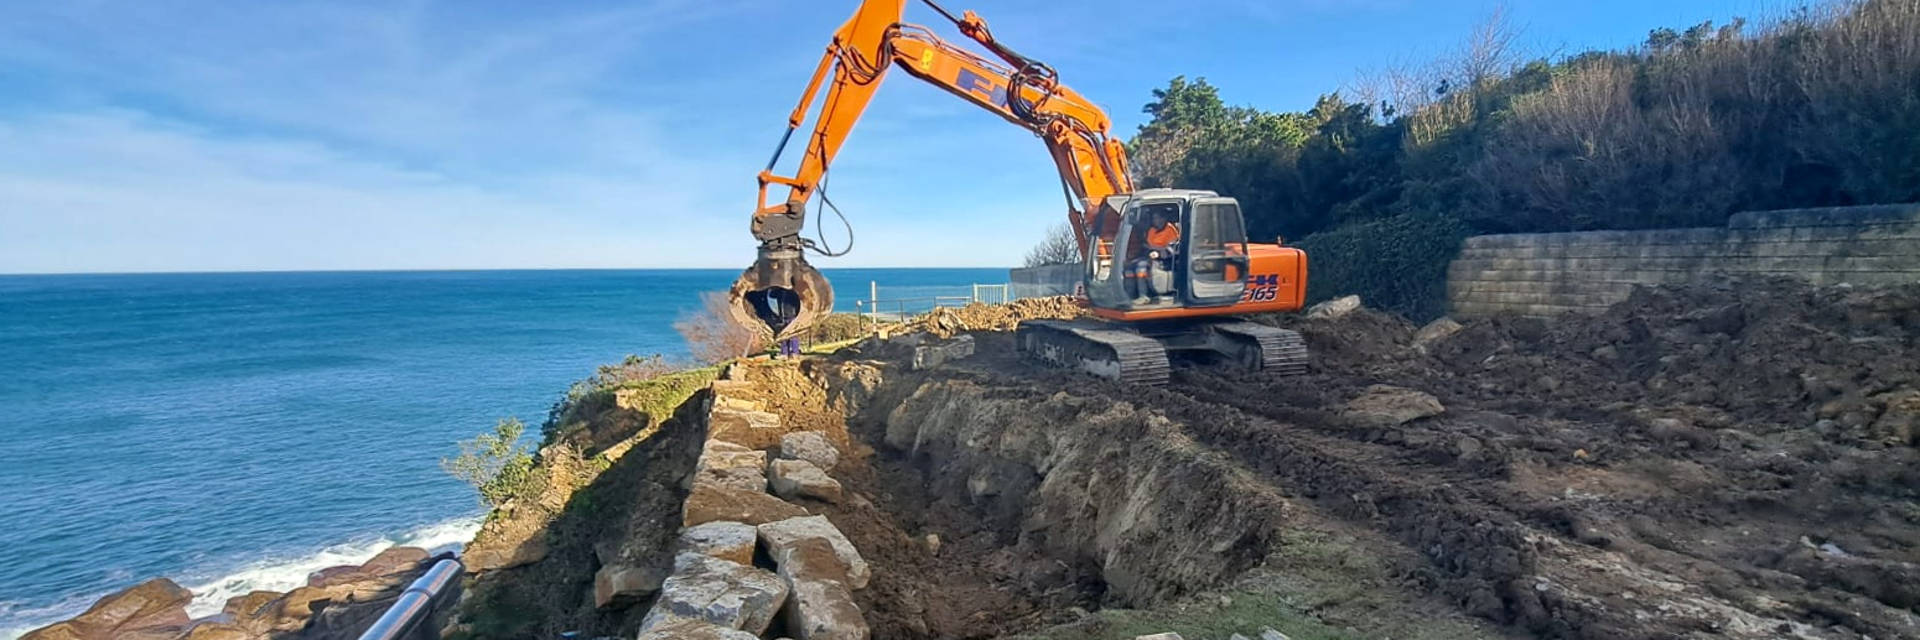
217 631
725 467
708 503
823 610
811 446
732 541
1334 308
717 591
787 541
793 479
1389 406
1434 332
621 585
156 608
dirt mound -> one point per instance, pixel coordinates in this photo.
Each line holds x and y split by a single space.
945 321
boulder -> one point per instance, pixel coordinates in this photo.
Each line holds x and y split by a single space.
156 608
218 631
620 584
1334 308
1433 332
256 612
1899 422
692 629
708 503
823 610
792 479
1390 406
751 429
395 560
716 591
723 467
733 541
506 554
786 542
929 356
811 446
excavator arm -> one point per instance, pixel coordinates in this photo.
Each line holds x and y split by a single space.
783 293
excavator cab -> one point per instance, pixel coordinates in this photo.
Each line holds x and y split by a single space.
1206 267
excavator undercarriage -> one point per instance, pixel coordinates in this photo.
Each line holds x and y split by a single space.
1144 353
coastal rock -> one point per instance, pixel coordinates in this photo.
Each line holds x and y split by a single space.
218 631
153 609
811 446
793 479
717 591
791 544
506 554
710 504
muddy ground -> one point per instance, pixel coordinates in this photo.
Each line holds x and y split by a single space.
1734 460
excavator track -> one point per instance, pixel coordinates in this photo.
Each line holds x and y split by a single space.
1102 350
1271 349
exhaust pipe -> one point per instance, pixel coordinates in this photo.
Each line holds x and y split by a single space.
780 296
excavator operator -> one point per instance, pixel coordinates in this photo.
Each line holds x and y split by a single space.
1161 238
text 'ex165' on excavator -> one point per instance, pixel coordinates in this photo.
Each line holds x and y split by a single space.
1164 270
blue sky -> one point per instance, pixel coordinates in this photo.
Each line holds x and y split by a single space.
190 136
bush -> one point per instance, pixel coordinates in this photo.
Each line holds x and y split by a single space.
838 327
495 464
1397 263
711 333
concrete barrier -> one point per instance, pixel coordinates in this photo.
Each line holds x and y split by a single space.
1542 274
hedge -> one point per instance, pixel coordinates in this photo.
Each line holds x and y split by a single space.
1397 263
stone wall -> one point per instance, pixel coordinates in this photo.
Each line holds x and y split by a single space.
1548 273
1051 280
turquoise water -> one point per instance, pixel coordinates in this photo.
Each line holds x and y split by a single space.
236 431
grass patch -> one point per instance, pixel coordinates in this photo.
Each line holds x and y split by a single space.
1246 614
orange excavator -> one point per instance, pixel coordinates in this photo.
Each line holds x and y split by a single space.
1164 271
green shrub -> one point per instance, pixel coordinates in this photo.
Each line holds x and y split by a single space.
495 464
1398 263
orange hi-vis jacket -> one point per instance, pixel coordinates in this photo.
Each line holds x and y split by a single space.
1164 236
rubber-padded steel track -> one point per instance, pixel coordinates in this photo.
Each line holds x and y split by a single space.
1096 348
1282 352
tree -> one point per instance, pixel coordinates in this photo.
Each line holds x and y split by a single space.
1058 247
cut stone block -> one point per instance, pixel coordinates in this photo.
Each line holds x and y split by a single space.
793 479
786 541
732 541
707 503
811 446
717 591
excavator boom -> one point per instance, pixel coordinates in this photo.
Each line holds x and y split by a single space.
784 294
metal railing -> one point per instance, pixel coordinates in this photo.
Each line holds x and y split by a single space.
880 309
413 614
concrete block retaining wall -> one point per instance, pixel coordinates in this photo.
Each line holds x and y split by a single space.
1548 273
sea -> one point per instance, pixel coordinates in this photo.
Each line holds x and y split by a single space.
237 431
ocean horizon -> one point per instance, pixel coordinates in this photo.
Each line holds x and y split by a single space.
236 431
